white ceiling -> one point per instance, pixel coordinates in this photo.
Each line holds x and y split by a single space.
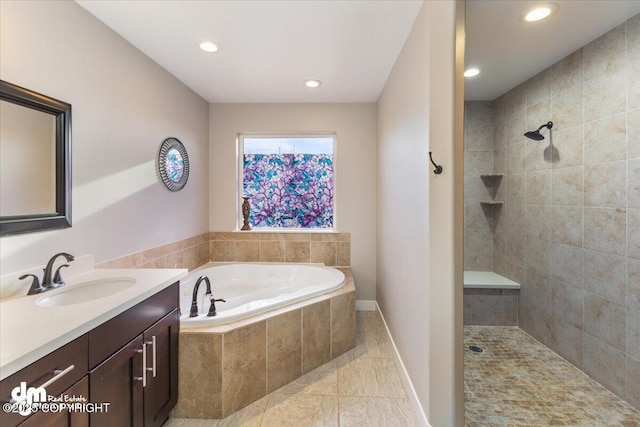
269 47
509 51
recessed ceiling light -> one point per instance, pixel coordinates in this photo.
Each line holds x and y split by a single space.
540 12
208 46
471 72
312 83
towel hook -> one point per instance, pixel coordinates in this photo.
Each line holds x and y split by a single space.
438 169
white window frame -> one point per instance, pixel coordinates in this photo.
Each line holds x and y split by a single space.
239 179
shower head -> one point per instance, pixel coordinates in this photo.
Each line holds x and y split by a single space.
536 135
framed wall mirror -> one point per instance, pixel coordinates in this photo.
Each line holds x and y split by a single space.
35 161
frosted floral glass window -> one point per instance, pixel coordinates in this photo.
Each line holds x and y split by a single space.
289 181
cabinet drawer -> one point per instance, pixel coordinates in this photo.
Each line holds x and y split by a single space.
36 374
109 337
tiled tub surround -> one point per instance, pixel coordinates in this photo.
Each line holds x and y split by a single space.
188 253
331 249
569 230
225 368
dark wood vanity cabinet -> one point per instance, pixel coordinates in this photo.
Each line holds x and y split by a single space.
129 362
140 380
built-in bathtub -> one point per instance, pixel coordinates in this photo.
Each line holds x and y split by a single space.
266 335
251 289
490 299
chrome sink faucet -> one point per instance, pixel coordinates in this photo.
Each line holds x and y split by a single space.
50 280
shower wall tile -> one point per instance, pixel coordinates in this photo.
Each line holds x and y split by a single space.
567 72
566 264
477 163
633 190
478 245
605 275
539 325
568 145
633 40
515 157
499 160
517 126
633 230
566 225
604 364
490 307
538 256
478 216
606 54
537 156
538 114
605 230
633 283
605 320
514 188
515 219
538 88
515 249
567 303
566 339
567 186
566 108
538 188
605 140
604 185
633 100
632 394
633 133
633 333
538 290
538 222
607 94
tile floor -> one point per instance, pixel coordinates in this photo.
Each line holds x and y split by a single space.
517 381
360 388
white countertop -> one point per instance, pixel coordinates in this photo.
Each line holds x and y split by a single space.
29 332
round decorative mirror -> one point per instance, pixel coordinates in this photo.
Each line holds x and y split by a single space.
173 164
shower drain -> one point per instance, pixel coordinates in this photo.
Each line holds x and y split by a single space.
475 349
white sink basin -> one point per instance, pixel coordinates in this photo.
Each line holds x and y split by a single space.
87 291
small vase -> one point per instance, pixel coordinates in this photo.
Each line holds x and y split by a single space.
246 210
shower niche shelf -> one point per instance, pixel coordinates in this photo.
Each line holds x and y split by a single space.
492 202
491 175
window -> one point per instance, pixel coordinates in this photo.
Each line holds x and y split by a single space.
289 181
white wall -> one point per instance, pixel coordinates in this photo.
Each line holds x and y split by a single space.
416 266
355 127
123 106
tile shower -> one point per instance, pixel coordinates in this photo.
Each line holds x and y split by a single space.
569 228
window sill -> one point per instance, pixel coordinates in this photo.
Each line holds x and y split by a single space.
288 230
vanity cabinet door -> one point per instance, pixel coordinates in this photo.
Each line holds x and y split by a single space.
161 392
66 418
118 381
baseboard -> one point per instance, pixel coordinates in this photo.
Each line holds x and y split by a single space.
365 305
404 375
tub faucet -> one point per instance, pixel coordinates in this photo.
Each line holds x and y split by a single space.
212 307
194 300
